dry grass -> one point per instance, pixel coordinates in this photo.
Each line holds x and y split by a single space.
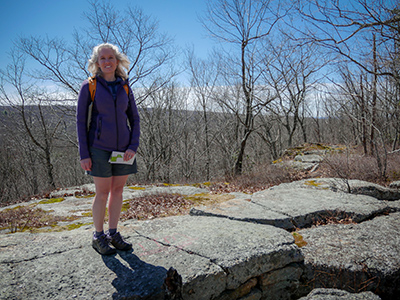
155 206
84 193
361 167
258 179
22 218
348 164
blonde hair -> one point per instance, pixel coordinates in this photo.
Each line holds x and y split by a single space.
123 61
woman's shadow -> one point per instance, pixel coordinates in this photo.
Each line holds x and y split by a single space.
135 278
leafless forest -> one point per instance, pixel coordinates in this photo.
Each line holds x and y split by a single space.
285 73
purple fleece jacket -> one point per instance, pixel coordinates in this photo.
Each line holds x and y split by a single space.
109 128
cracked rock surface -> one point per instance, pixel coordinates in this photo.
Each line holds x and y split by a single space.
298 205
334 294
211 255
238 249
361 256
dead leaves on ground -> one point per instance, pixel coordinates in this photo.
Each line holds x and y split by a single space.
23 218
155 206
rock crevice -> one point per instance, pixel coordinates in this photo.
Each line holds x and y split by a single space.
237 249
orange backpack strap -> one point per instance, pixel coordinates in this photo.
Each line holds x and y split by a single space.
126 87
92 87
92 92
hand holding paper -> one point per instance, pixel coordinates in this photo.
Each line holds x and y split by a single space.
118 158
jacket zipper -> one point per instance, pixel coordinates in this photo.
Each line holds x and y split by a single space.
115 112
116 119
99 129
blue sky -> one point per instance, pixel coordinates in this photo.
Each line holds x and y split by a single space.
59 18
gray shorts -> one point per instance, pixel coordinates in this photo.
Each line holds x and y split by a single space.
102 168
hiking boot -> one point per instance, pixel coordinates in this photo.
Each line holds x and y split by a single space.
101 245
119 243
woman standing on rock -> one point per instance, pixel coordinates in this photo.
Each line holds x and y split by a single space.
112 124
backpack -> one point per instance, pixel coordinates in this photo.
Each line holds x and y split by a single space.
92 92
93 84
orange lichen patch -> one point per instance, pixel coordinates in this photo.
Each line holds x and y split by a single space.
313 183
208 199
298 239
137 188
52 200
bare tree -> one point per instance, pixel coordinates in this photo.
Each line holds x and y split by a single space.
150 51
136 34
243 24
162 126
292 74
364 35
345 28
33 114
45 75
204 75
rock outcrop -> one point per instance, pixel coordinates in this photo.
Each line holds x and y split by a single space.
298 205
334 294
216 258
280 243
359 257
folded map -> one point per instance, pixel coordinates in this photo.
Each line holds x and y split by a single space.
118 158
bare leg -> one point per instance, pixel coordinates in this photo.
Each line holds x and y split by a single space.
115 202
103 188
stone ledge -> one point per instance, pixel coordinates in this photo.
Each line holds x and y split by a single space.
218 255
214 256
334 294
354 257
297 205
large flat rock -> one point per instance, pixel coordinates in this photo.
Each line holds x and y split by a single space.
353 186
63 266
224 251
78 200
297 205
245 210
305 206
334 294
211 254
355 257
